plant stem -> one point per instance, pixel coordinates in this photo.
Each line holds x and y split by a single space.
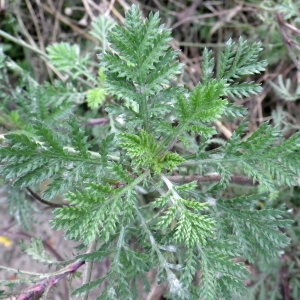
89 266
144 112
220 160
152 240
42 54
22 43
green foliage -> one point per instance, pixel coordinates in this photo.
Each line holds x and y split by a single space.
141 64
247 224
51 103
37 252
184 230
263 157
101 27
284 90
19 207
242 61
64 56
143 149
95 97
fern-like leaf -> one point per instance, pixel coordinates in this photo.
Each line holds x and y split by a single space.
63 55
142 63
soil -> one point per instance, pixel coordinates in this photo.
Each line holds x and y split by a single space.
13 256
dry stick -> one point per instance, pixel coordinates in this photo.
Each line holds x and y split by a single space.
230 15
44 56
28 36
157 291
2 5
23 28
62 18
114 11
211 178
287 40
188 11
111 6
32 48
202 16
56 23
46 245
24 235
42 20
40 199
99 121
38 32
22 43
88 9
289 26
25 32
36 291
223 129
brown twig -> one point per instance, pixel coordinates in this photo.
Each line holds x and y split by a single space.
289 43
66 21
40 199
24 235
55 29
100 121
38 31
36 291
187 12
211 178
198 17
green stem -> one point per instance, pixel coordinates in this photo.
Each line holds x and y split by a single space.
144 112
89 266
143 109
41 53
169 140
209 152
41 275
124 190
86 73
152 240
119 245
171 277
22 43
128 187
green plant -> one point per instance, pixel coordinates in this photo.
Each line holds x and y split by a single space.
189 234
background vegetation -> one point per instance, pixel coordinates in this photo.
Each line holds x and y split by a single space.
28 28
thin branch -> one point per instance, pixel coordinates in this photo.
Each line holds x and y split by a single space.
40 199
35 49
288 41
22 43
287 25
211 178
88 9
36 291
99 121
66 21
89 266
